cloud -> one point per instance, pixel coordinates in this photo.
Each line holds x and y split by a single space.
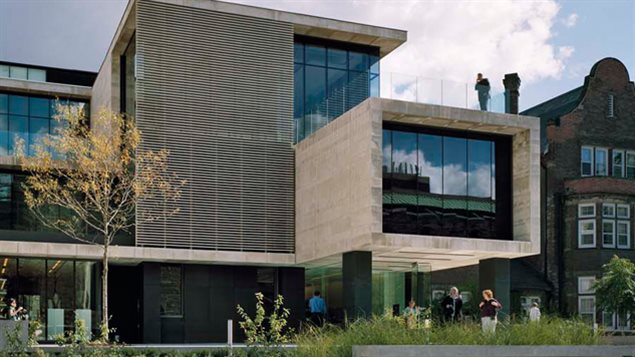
453 40
570 20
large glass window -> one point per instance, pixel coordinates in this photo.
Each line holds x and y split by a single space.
441 184
54 292
28 119
329 79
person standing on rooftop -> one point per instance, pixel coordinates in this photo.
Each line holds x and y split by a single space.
482 87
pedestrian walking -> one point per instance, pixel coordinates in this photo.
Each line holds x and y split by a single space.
534 313
489 311
317 307
452 306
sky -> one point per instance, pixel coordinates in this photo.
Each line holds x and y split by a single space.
551 44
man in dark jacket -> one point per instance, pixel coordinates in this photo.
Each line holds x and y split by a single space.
452 305
482 87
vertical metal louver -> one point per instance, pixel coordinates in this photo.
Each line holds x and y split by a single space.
216 89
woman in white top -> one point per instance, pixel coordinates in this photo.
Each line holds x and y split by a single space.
534 312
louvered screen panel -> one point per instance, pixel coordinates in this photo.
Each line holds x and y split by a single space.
216 89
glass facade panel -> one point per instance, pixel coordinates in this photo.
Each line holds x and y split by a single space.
4 71
4 135
16 72
329 80
39 107
337 58
298 53
18 131
315 55
29 118
38 130
4 103
358 61
37 75
19 105
54 292
60 297
430 184
315 98
438 184
336 102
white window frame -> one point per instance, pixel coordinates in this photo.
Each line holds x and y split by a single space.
628 211
580 233
606 162
587 297
590 148
610 206
615 322
628 235
611 223
584 205
622 165
586 279
626 167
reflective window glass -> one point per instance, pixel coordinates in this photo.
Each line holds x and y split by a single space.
337 58
430 163
374 64
18 105
38 129
31 285
358 61
4 134
60 293
18 130
298 53
298 100
18 72
4 103
480 168
455 166
4 71
315 95
315 55
37 75
374 85
171 295
337 79
39 107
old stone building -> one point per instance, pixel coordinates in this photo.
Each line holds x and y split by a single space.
588 178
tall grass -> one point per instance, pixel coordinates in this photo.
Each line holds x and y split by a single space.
332 341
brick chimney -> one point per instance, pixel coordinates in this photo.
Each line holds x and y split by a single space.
512 85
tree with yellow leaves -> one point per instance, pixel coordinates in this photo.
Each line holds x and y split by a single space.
97 173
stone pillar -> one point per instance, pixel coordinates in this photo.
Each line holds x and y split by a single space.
495 274
512 93
357 283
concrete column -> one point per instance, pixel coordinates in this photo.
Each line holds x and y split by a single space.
512 92
357 283
495 274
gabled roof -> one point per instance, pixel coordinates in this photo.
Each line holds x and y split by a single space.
557 106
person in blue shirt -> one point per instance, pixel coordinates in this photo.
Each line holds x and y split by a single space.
317 307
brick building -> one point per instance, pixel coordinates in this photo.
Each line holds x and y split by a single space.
588 178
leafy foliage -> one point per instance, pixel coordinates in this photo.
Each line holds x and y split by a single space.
615 290
263 330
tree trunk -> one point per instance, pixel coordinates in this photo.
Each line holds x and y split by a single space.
104 328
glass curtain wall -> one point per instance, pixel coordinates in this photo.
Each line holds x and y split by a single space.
54 292
28 118
329 79
439 184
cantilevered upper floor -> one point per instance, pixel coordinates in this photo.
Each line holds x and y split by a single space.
418 183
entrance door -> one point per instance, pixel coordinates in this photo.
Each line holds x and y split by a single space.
124 302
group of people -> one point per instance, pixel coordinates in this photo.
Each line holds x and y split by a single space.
451 305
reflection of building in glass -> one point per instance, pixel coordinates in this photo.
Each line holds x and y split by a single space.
445 184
